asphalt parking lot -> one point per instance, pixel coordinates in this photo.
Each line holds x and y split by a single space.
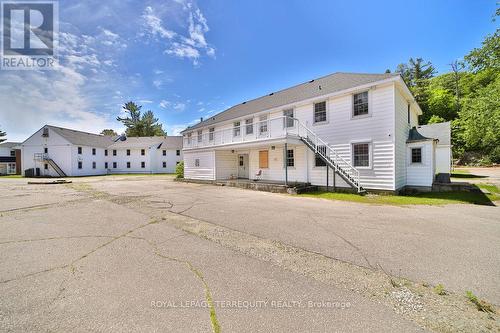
129 253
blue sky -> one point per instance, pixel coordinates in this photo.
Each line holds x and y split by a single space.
185 60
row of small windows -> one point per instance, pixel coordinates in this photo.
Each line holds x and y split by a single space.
143 152
115 165
359 108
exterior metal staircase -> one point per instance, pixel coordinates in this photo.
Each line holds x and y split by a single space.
332 159
51 162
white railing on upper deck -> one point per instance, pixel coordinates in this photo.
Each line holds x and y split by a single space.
261 130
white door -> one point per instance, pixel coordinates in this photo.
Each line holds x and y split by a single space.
243 166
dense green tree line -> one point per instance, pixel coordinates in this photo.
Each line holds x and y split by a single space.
468 96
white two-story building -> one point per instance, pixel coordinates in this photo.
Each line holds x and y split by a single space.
342 130
57 152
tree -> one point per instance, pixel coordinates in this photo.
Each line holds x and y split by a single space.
2 134
140 125
416 73
436 119
487 56
109 132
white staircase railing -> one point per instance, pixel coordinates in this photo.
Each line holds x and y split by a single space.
330 155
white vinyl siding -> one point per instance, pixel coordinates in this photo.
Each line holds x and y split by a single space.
205 170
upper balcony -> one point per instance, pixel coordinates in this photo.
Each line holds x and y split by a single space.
270 129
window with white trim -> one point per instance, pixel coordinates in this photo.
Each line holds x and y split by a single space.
288 120
290 159
12 153
236 128
211 133
361 154
360 104
416 155
164 164
249 126
320 112
200 135
189 138
197 162
263 125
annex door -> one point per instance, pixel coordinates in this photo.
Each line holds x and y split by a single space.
243 166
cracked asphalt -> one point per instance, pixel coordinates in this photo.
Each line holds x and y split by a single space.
145 253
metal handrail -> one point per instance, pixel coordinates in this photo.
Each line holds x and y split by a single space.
41 156
340 163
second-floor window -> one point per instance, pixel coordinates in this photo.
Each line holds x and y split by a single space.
93 152
143 152
178 152
105 152
288 120
12 153
236 128
263 125
360 104
45 150
200 135
114 152
211 132
189 138
128 152
249 126
164 152
79 150
320 112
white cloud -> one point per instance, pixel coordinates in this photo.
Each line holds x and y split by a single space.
154 25
164 104
185 46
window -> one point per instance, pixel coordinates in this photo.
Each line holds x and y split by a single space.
105 165
105 152
416 155
128 152
178 152
11 168
361 153
318 161
46 150
197 162
46 166
263 125
164 164
45 132
93 151
249 126
79 150
360 104
409 121
288 121
177 163
114 152
164 152
93 165
143 152
320 112
12 153
80 164
290 161
211 132
114 165
143 165
200 135
264 159
189 138
236 129
128 165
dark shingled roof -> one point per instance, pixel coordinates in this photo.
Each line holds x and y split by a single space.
414 136
80 138
314 88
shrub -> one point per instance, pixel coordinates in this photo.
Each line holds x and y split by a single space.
179 170
439 289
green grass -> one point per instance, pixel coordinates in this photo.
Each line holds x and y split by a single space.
11 176
141 174
431 198
480 304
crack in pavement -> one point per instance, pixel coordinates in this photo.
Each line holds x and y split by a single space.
53 238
